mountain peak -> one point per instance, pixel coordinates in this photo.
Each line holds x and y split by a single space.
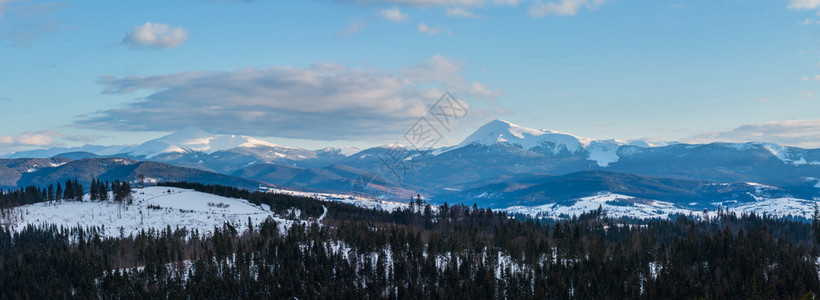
195 139
186 135
501 131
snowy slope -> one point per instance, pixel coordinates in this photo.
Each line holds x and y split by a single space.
364 202
179 208
616 205
785 154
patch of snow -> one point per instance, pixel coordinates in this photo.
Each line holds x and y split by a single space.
345 150
355 200
783 154
615 205
603 153
741 146
817 184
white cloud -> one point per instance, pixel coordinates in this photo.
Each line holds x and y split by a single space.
562 7
39 140
394 15
27 141
805 94
325 101
156 35
799 133
460 8
804 4
2 4
434 30
357 26
422 2
809 22
461 12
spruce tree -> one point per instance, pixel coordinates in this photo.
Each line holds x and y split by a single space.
94 193
58 195
68 193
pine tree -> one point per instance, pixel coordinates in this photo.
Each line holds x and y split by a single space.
78 191
58 195
50 192
103 190
94 193
68 193
815 224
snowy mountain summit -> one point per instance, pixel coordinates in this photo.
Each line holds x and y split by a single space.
603 152
500 131
191 139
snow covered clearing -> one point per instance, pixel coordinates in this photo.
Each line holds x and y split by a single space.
153 207
614 205
364 202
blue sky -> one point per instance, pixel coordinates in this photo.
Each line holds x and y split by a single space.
312 73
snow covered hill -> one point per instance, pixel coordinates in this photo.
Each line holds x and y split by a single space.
616 205
153 207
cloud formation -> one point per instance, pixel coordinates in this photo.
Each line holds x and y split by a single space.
421 2
461 12
156 35
39 140
562 7
2 4
357 26
27 21
799 133
433 30
459 8
394 15
325 101
804 4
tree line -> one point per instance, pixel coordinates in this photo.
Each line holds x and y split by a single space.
449 251
71 190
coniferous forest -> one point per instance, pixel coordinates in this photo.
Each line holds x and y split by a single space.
444 252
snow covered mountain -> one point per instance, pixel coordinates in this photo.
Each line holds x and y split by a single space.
498 152
499 131
602 152
192 139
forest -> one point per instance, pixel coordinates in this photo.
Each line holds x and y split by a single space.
423 251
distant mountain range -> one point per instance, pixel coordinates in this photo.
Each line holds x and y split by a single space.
501 164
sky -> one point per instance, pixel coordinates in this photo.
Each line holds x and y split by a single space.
316 73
